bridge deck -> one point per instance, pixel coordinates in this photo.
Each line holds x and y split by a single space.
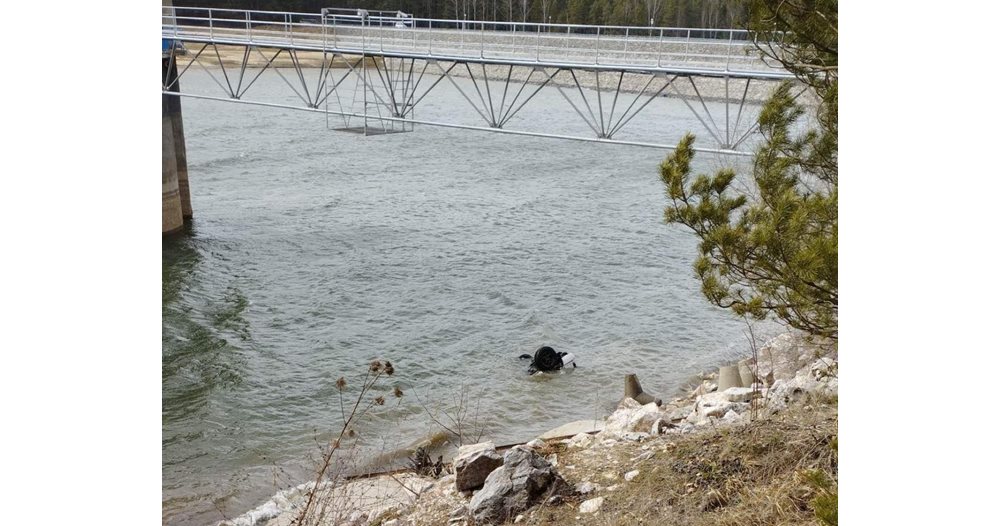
686 52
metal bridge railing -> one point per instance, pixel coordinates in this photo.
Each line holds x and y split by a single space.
568 45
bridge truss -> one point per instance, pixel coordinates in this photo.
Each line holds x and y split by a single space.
369 73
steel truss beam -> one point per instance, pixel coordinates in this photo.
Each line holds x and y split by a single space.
391 90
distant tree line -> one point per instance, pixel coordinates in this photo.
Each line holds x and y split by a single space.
670 13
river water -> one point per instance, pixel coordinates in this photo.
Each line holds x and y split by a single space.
448 252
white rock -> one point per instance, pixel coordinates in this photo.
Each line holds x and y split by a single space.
591 505
711 405
628 403
584 488
643 456
536 443
715 405
738 394
631 475
553 459
732 417
518 519
580 440
630 416
658 427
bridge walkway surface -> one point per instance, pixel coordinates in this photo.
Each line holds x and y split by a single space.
389 55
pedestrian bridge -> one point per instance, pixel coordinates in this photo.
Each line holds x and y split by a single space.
371 70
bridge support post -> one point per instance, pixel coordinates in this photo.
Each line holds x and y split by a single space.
176 190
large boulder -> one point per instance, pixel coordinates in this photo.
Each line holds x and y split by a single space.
474 463
524 480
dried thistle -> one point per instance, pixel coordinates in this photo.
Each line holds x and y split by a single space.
380 400
397 392
351 433
341 384
388 368
375 366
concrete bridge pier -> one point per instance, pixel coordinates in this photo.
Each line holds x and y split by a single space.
176 190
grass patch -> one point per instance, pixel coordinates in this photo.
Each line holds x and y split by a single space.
779 470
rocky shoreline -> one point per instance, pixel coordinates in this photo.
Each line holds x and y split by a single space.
575 474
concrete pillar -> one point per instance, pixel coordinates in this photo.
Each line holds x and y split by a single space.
173 104
173 214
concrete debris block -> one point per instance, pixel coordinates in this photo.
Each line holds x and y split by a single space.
729 376
572 428
474 463
522 481
553 459
585 488
634 390
738 394
747 376
591 505
631 475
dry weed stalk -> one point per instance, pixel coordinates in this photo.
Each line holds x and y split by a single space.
463 427
375 371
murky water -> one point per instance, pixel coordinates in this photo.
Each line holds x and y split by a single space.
446 251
